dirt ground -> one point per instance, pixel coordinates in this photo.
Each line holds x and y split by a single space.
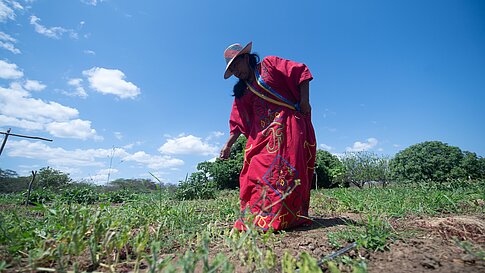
424 245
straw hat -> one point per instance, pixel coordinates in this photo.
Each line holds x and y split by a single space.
232 52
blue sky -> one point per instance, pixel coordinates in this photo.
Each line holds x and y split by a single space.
130 87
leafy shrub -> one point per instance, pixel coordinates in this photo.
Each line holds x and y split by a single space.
327 168
225 173
363 167
119 196
51 178
436 161
197 186
40 196
84 194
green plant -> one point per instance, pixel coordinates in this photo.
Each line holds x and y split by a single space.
377 234
79 194
40 196
474 250
51 178
327 169
197 186
436 161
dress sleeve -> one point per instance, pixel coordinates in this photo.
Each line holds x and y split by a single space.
285 76
238 121
295 72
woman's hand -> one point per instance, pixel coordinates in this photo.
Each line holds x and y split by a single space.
225 152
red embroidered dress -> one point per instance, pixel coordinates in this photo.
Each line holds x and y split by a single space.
280 153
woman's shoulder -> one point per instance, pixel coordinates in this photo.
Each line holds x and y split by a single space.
272 59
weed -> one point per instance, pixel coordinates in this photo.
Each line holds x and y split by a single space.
474 250
377 234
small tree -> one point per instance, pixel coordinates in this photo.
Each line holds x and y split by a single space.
197 186
327 168
133 184
7 174
471 167
11 182
363 167
51 178
428 161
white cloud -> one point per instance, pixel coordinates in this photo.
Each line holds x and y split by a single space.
111 81
187 145
52 32
21 123
362 146
9 71
7 10
18 109
10 47
212 160
154 161
34 85
215 134
101 176
16 102
131 145
15 4
80 129
90 2
56 156
61 158
8 42
118 135
78 88
325 147
89 52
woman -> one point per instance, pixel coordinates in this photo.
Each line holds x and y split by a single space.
271 108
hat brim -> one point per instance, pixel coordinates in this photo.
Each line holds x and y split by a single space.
246 49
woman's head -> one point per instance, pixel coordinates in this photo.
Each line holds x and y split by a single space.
241 63
243 66
231 53
243 70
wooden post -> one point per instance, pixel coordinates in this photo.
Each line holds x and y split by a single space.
16 135
316 180
30 187
5 140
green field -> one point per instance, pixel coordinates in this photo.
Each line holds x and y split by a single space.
156 233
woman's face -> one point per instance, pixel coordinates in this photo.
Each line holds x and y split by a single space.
240 67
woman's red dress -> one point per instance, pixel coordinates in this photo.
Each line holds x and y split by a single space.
280 152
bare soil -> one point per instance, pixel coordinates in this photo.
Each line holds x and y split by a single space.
425 244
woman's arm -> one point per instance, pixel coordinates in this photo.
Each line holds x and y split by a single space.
226 150
305 106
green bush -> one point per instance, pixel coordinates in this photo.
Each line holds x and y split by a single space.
80 194
363 167
119 196
51 178
40 196
197 186
436 161
327 168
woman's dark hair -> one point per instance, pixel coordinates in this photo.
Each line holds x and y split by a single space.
240 86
